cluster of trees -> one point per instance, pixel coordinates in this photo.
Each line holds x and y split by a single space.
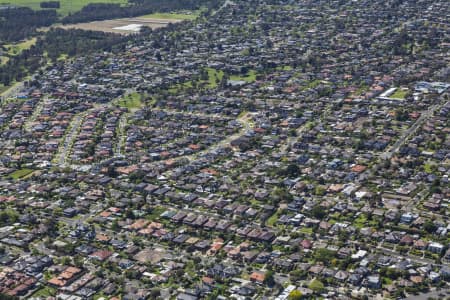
50 4
7 297
104 11
55 43
18 67
8 216
292 171
72 42
405 43
19 23
401 115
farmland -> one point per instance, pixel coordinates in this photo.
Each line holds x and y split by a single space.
66 6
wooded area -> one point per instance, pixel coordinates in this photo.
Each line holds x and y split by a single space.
20 23
57 42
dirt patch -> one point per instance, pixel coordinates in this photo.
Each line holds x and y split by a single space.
122 26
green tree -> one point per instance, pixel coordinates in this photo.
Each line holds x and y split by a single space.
268 279
401 115
8 216
429 226
292 170
316 285
155 293
295 295
324 255
318 212
7 297
115 225
296 275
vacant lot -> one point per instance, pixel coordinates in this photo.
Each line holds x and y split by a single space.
123 26
66 6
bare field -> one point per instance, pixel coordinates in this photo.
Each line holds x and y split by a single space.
122 26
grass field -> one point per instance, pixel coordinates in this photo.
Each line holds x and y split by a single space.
360 221
20 173
3 88
174 16
44 292
399 94
212 81
312 84
66 6
3 60
306 230
273 219
177 88
249 77
100 295
15 49
284 68
316 285
131 101
76 5
428 168
156 212
63 57
213 74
